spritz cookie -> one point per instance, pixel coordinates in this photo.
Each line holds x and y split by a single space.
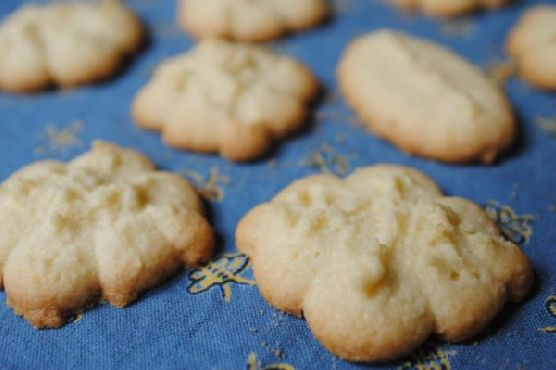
227 98
378 262
106 225
65 44
425 99
448 8
532 43
249 20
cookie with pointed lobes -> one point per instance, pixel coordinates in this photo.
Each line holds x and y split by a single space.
65 44
448 8
105 225
249 20
379 261
532 43
227 98
425 99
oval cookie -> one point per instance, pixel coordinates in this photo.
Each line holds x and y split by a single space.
425 99
378 262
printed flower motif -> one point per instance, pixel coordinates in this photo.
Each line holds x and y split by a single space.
56 140
551 308
327 160
211 188
226 270
254 364
430 357
516 229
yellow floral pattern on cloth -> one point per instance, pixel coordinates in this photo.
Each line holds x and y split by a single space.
223 272
327 160
210 188
55 140
516 229
254 364
551 308
430 356
457 28
547 124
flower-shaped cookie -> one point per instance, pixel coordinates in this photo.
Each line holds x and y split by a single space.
104 225
379 261
249 20
232 99
532 43
448 8
65 44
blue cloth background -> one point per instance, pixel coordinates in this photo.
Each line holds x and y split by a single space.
214 318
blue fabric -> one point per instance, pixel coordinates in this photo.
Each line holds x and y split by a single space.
214 318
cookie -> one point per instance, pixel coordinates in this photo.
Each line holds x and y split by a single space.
378 262
448 8
249 20
532 43
65 44
425 99
105 225
227 98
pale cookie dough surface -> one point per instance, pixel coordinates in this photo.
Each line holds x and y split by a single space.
532 43
65 44
105 225
249 20
447 8
425 99
226 98
381 260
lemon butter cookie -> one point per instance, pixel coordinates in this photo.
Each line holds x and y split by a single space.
379 261
425 99
532 43
228 98
106 225
65 44
448 8
249 20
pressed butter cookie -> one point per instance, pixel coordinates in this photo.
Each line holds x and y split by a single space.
65 44
532 43
227 98
381 260
448 8
425 99
249 20
106 225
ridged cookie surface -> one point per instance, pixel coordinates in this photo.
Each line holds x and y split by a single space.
381 260
532 43
227 98
65 44
425 99
105 225
448 8
249 20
